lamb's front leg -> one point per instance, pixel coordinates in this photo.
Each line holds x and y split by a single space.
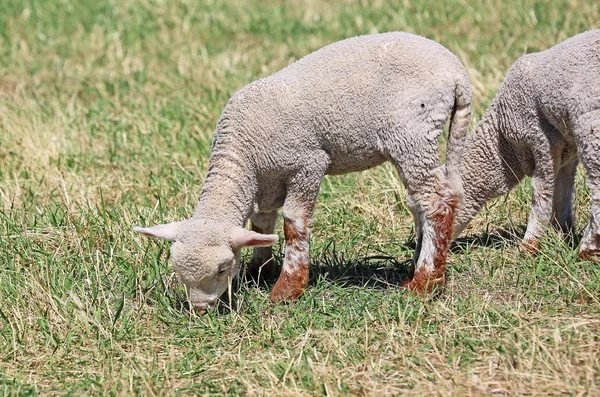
302 192
294 273
542 184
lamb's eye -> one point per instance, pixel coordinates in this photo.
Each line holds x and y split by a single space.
222 271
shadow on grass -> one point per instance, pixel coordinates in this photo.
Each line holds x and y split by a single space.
377 271
382 271
374 271
385 271
496 239
510 236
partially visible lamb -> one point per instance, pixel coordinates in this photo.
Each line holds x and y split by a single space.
344 108
544 117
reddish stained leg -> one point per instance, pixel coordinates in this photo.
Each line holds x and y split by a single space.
430 199
294 274
440 218
530 246
301 195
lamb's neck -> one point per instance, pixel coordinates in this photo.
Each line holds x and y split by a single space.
229 189
486 170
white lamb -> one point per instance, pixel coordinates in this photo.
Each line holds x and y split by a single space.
545 116
347 107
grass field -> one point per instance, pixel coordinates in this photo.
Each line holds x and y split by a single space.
107 110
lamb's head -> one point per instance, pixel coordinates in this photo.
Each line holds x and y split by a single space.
206 255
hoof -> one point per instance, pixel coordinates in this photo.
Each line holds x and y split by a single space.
530 247
289 287
589 255
423 285
285 295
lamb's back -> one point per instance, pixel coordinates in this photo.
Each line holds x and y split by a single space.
343 97
368 70
567 76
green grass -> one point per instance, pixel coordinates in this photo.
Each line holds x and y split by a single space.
107 110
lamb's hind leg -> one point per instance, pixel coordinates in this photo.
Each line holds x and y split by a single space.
437 210
261 265
589 150
434 207
302 192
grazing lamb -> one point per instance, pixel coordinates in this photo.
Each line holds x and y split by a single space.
545 116
347 107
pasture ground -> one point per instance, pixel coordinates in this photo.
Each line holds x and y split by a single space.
107 110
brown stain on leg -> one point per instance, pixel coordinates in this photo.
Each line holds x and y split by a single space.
290 285
589 255
441 214
530 247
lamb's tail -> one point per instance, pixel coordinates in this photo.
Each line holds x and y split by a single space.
459 124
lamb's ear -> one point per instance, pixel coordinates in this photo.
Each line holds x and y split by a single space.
168 231
241 237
